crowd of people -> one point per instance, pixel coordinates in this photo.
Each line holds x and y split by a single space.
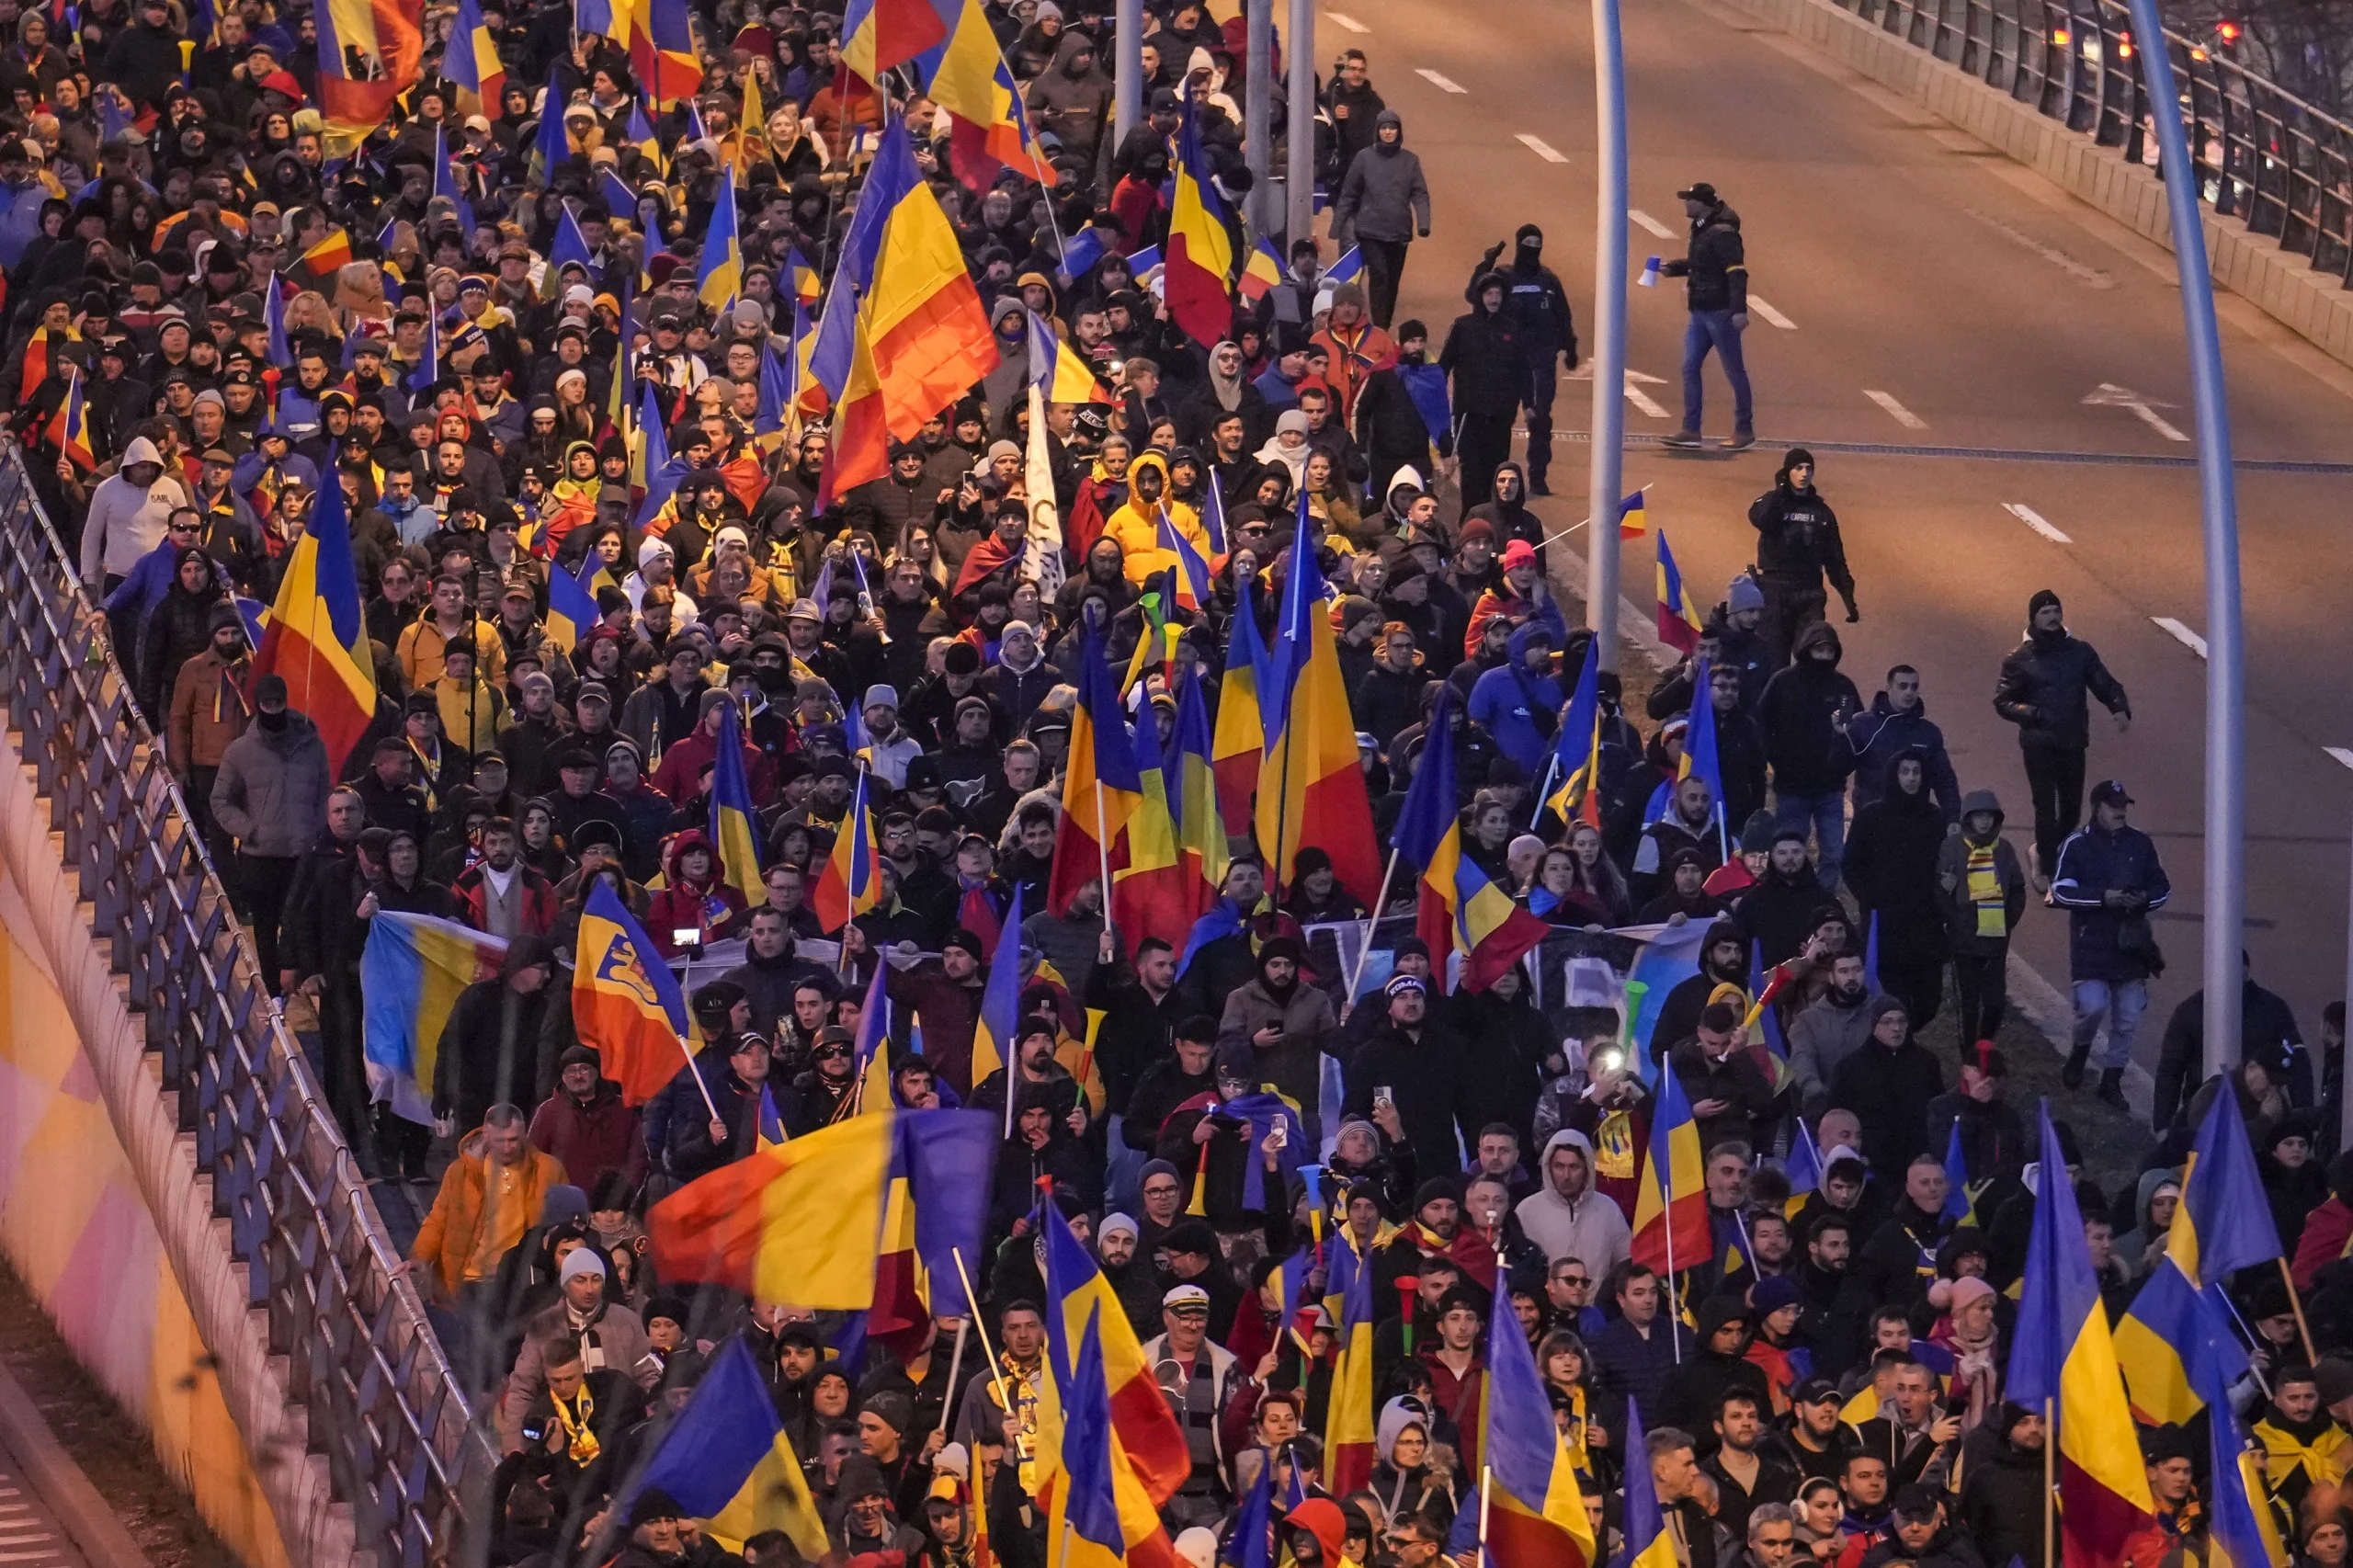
1828 1387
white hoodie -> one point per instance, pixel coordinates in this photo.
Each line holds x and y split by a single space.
126 521
1592 1230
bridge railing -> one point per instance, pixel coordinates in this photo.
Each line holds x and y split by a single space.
381 1405
2265 157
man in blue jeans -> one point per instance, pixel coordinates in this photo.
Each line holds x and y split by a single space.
1804 713
2108 880
1715 273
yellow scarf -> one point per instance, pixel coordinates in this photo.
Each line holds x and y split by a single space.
579 1443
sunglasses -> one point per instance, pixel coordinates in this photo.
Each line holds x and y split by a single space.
830 1050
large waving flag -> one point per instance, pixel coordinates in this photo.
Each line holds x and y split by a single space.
1151 893
317 643
728 1462
472 64
922 336
1144 1426
1189 773
803 1220
411 972
1055 369
1238 745
851 882
625 1005
1679 618
1534 1510
1000 1006
1573 780
719 272
1459 909
1100 1516
1349 1425
2063 1362
2243 1529
1671 1229
734 824
1199 265
370 51
879 34
662 51
965 75
1310 785
1102 788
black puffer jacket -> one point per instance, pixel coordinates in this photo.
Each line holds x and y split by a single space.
1715 268
1808 753
1483 355
2046 687
1797 533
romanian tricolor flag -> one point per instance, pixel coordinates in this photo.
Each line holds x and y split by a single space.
1349 1433
411 972
1534 1511
473 64
1572 780
1803 1167
370 51
870 1051
2063 1361
1679 618
326 259
727 1461
1634 514
1101 787
1190 575
801 280
317 642
1311 784
964 74
1100 1516
851 882
1239 742
640 136
1200 250
662 50
1142 1425
2244 1531
1959 1207
734 824
719 272
803 1220
1649 1543
922 336
68 428
1191 781
1261 270
625 1005
1000 1006
1671 1229
1461 909
879 34
571 605
1056 371
1150 894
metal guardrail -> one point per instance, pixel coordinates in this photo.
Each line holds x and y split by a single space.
2265 157
402 1447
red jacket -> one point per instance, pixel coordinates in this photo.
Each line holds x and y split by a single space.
590 1139
2324 1240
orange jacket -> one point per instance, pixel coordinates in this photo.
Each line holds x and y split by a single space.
462 1223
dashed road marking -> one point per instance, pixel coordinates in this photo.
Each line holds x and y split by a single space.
2342 754
1648 224
2180 634
1350 23
1895 410
1543 148
1443 84
2113 396
2036 521
1772 316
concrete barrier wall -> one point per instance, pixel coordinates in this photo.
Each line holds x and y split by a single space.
2313 305
75 1227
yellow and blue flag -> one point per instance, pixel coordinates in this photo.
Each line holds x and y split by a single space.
1805 1169
1634 514
1191 781
735 826
1101 1517
718 271
1671 1228
1000 1005
2223 1220
1961 1206
412 972
572 603
1572 780
1349 1424
1191 573
727 1461
1648 1543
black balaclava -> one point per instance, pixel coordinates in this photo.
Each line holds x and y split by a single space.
1528 247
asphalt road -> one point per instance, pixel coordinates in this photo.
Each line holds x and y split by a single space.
1948 316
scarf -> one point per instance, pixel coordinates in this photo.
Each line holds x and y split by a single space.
2320 1446
1985 893
580 1444
1227 389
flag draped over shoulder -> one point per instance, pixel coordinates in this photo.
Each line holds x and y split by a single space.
410 973
2061 1357
317 642
727 1461
802 1220
625 1005
1310 785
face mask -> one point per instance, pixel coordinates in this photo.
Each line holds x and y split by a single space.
273 722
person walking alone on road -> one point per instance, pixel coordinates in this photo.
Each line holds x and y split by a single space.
1539 310
1385 203
1715 270
2044 690
1797 546
2108 880
1483 354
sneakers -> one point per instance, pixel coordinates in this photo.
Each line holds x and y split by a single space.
1742 440
2112 1089
2073 1074
1688 440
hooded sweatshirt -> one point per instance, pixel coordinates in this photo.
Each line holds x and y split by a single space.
1589 1228
1808 753
1384 195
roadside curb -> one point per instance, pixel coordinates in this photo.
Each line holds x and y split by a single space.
68 1492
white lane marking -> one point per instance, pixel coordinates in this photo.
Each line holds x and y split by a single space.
1543 148
1350 23
1443 84
1648 224
1895 410
2180 634
1635 381
1772 316
2110 396
2342 754
2036 521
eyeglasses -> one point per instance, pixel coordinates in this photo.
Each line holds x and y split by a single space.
1164 1190
828 1051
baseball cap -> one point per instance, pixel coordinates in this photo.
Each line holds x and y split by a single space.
1814 1390
2110 792
1698 190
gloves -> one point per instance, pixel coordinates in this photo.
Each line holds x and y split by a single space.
1488 257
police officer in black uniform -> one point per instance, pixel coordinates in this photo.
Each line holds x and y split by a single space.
1538 309
1797 546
